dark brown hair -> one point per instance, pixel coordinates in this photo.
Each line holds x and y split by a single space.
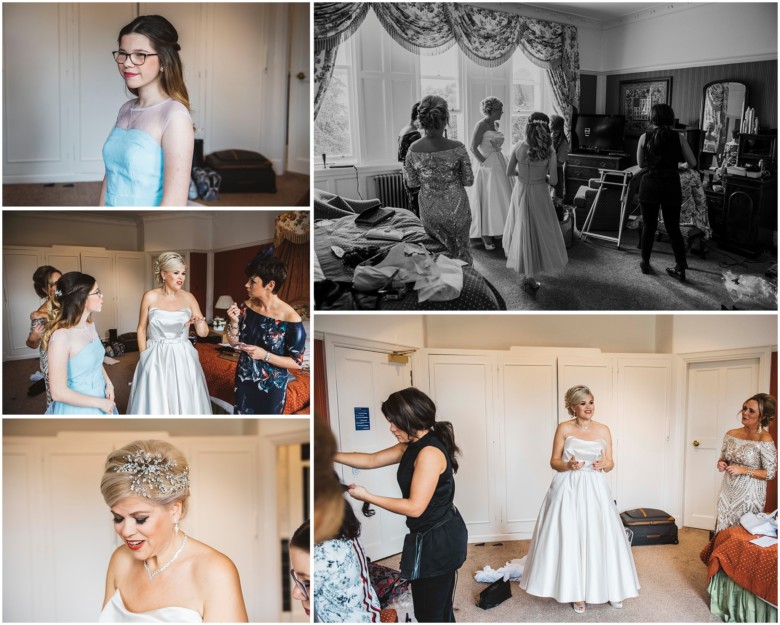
68 302
41 279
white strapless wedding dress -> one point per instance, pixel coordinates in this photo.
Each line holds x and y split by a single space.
489 196
116 612
579 550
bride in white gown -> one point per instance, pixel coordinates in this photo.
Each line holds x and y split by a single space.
490 194
579 552
159 574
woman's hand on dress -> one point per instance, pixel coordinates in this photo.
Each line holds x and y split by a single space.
599 464
106 405
722 465
735 469
110 392
574 465
358 492
254 352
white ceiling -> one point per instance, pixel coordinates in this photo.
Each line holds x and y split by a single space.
600 11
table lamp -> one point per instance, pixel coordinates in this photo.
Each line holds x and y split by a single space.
223 303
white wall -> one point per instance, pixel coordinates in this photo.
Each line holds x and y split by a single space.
610 333
394 329
704 34
700 333
173 427
243 228
45 228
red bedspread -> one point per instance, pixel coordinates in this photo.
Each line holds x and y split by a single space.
220 374
752 567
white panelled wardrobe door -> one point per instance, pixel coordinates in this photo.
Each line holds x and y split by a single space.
463 389
20 300
528 395
77 532
642 453
300 113
223 507
364 379
716 391
129 280
100 265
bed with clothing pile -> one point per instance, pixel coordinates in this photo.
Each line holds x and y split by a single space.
373 257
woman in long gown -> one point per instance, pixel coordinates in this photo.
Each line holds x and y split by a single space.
579 552
533 242
159 573
169 378
748 458
441 168
270 336
78 381
490 195
148 154
45 282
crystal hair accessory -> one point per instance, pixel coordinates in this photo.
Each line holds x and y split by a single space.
58 293
537 122
149 471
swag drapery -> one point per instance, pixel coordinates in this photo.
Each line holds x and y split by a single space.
487 37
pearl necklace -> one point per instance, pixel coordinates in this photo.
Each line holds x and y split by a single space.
152 574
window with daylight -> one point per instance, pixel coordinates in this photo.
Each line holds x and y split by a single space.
334 130
529 93
439 76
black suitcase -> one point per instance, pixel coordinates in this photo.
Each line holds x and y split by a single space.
650 526
243 171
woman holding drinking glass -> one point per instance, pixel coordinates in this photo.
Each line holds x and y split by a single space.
148 155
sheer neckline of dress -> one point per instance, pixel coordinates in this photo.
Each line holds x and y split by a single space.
118 595
146 108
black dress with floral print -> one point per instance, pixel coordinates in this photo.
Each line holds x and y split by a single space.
260 387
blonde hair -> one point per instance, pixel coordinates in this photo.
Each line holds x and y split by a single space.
574 395
489 104
117 485
167 261
767 408
433 113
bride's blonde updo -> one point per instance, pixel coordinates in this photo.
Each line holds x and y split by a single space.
433 113
490 104
167 261
151 469
574 395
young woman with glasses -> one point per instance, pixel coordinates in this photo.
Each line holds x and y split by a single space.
148 155
300 558
78 381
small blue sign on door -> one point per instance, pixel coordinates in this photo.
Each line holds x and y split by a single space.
362 420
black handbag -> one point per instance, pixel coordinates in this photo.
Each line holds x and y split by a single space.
498 592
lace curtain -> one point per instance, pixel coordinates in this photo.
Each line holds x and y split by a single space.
489 38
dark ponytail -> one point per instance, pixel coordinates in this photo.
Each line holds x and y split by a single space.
662 118
411 410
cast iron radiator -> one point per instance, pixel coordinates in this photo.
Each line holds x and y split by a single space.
391 191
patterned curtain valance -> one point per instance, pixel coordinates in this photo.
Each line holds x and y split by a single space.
292 226
487 37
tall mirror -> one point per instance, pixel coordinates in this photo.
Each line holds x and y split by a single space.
723 105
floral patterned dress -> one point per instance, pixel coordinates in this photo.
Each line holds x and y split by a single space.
739 493
444 205
260 387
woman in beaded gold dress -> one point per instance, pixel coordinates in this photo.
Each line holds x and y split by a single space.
748 459
441 168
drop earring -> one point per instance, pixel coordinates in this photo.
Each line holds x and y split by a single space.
176 527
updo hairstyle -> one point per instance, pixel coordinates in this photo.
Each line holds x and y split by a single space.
167 261
123 470
767 408
433 113
574 395
490 104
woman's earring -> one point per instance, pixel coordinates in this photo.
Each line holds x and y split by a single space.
176 527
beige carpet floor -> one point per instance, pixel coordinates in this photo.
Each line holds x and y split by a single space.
291 190
673 588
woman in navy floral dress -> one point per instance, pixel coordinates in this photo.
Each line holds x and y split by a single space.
271 338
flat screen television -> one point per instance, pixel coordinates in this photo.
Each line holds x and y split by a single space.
599 133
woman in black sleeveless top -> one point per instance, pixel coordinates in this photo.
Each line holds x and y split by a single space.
659 151
435 548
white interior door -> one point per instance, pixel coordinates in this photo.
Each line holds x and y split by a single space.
463 389
130 273
363 380
716 391
299 109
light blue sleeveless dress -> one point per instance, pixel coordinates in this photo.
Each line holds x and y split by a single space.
133 154
169 378
85 375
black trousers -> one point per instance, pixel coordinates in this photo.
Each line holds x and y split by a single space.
432 597
661 194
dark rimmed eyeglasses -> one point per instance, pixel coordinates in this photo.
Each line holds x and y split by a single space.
301 585
136 58
97 292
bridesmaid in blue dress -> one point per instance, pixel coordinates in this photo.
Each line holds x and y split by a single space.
271 338
148 155
78 382
169 378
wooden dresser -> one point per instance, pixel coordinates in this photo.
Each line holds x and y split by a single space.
749 215
581 167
